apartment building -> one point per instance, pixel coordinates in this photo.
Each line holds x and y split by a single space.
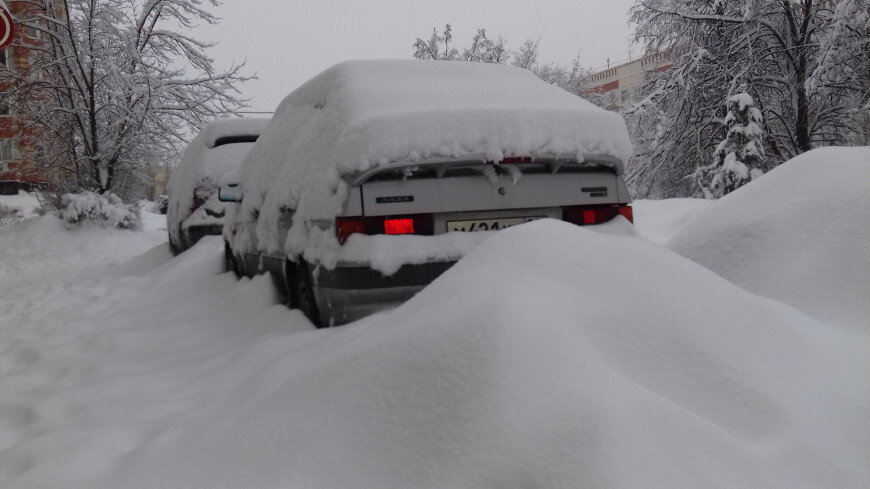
21 147
621 83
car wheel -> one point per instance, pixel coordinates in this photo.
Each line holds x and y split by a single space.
301 291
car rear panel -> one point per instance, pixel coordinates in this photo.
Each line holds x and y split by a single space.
453 196
476 190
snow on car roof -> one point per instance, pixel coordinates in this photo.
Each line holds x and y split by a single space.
224 128
395 109
358 115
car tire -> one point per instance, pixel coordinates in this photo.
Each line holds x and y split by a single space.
301 291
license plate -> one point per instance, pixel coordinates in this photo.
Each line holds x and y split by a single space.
488 224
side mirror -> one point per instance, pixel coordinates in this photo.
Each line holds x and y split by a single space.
230 192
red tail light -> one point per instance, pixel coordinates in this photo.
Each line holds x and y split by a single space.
344 227
414 224
595 214
399 226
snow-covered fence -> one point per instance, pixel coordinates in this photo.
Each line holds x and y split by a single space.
106 210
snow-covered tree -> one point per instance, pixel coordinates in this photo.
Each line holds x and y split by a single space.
783 53
485 50
738 158
844 60
115 84
437 47
570 78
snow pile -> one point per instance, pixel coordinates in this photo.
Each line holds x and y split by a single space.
627 367
43 254
197 176
361 114
799 234
528 364
232 128
106 210
659 220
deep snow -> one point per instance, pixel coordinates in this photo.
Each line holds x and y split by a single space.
606 360
800 234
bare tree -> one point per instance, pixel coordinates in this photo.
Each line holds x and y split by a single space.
116 84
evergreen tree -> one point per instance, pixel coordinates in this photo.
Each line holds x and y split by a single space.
739 157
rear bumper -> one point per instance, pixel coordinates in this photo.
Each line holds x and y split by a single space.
348 293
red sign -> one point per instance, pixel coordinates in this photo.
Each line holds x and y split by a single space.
7 28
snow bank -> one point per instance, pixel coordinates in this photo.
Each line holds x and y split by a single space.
624 367
659 220
361 114
799 234
528 364
202 165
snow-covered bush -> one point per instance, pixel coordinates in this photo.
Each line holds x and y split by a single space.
9 215
106 210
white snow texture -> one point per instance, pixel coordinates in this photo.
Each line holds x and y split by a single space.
550 356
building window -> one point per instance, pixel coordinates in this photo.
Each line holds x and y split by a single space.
6 59
33 32
39 154
7 148
5 106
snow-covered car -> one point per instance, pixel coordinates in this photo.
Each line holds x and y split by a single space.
375 177
193 210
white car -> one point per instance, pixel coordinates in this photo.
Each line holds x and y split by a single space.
375 177
193 209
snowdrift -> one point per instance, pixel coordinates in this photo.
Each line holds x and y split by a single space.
799 234
550 356
659 220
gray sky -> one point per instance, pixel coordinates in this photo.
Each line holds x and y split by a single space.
286 42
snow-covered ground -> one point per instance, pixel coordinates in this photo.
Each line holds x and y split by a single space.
550 356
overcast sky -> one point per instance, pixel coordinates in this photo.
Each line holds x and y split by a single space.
286 42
